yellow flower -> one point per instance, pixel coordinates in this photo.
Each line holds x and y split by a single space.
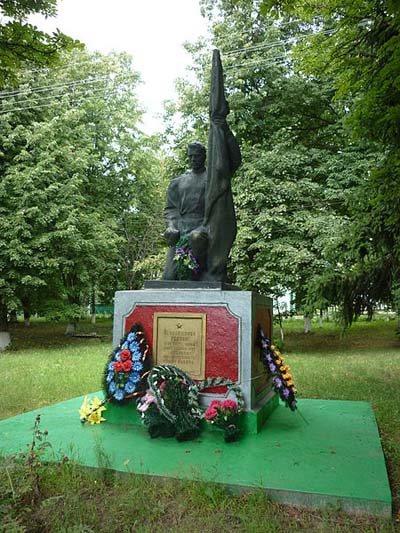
96 402
294 389
85 408
95 417
278 361
273 347
284 368
290 384
287 376
277 352
92 410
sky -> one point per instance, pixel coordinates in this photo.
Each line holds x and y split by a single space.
152 31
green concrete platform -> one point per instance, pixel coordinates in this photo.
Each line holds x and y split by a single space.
334 459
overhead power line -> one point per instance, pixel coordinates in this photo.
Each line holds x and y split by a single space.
274 44
46 88
270 61
81 96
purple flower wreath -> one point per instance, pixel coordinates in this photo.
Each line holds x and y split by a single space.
274 363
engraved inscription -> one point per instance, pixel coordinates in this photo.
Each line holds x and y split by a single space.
179 340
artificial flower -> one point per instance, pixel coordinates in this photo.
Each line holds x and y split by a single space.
125 355
91 410
118 366
229 404
146 401
130 387
134 377
119 395
127 365
211 413
137 366
85 408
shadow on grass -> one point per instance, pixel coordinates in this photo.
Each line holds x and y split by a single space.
42 334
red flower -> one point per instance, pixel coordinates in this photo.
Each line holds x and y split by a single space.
229 404
211 413
125 355
117 366
127 365
215 403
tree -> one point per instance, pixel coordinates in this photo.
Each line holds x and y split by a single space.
78 176
298 160
357 43
22 44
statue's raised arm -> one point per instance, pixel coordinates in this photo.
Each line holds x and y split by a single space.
223 160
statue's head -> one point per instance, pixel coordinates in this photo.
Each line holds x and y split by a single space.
197 156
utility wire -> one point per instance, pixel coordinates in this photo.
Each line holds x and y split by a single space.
82 96
46 88
257 63
273 44
54 96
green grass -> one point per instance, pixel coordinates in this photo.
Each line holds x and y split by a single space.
44 367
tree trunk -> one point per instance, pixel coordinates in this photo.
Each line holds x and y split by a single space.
71 329
3 317
93 305
280 320
27 318
307 324
4 333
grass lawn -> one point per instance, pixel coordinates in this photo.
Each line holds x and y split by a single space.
44 366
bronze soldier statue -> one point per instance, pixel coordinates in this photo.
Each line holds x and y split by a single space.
199 212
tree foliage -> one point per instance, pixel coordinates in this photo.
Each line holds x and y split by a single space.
358 45
300 167
80 184
22 44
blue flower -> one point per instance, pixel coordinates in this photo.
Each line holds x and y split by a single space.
137 365
131 337
136 354
124 346
111 366
112 387
134 377
130 387
119 395
109 377
134 346
117 356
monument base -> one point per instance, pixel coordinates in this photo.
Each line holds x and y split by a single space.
207 332
334 460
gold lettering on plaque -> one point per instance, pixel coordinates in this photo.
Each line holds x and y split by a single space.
179 339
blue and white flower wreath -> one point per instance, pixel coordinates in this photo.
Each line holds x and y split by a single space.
127 367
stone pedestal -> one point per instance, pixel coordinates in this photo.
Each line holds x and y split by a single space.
207 332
